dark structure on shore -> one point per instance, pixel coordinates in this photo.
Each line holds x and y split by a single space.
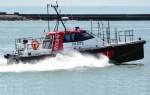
81 17
89 16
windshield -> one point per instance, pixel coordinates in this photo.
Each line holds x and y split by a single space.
74 37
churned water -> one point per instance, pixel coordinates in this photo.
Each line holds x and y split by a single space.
69 61
72 74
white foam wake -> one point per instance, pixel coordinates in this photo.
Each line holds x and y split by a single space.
60 62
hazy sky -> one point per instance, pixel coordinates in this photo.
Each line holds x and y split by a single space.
76 2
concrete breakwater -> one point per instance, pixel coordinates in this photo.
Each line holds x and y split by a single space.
82 17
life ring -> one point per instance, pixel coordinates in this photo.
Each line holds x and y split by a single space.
35 44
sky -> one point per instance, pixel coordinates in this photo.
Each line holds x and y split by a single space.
76 2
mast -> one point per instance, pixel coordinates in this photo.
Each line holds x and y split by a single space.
48 17
58 15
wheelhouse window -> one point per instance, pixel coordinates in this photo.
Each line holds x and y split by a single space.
74 37
47 42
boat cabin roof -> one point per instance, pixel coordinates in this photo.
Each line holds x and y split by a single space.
69 31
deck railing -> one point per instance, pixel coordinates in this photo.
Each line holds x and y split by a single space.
111 36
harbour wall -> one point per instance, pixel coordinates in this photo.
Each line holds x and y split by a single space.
81 17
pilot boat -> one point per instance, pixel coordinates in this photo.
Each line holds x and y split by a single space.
118 50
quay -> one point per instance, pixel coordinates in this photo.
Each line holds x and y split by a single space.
81 17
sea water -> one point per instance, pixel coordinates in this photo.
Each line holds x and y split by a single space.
74 73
